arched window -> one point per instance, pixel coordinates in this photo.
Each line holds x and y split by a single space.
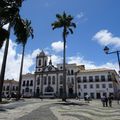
39 62
71 72
45 63
49 80
49 89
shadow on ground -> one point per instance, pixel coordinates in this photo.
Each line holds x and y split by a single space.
72 103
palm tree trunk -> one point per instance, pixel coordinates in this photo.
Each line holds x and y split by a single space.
64 68
2 74
20 76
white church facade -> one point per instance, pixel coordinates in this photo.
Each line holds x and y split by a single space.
47 80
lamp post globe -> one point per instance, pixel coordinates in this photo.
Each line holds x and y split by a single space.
106 49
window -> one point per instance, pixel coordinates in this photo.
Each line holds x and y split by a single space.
68 72
78 86
79 79
39 62
84 79
31 83
91 85
7 87
49 89
85 86
45 63
109 78
30 90
45 80
97 86
22 91
72 72
53 80
13 88
27 83
61 67
72 80
68 79
110 85
96 78
102 78
61 79
38 81
16 88
90 78
103 85
92 95
49 80
3 87
27 89
23 83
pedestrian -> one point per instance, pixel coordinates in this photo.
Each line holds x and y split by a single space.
110 100
118 98
106 101
79 95
103 100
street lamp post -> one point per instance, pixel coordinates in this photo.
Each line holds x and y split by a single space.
106 50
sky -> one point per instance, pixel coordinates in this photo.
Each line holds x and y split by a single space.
97 26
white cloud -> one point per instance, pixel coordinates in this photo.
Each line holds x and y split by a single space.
14 60
80 15
104 37
90 64
56 59
57 46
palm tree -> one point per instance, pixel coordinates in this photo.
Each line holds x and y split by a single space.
23 31
9 11
64 21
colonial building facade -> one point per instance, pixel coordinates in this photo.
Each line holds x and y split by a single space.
47 81
10 87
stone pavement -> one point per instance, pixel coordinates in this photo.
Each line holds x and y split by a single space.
86 111
35 109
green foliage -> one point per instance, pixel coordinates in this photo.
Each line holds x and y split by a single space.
23 30
64 21
3 35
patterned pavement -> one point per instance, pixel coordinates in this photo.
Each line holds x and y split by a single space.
90 111
35 109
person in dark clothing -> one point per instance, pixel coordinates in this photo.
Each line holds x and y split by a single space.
110 100
103 100
106 101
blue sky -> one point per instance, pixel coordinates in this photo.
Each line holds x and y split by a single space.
97 25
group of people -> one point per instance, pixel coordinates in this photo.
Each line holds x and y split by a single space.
107 100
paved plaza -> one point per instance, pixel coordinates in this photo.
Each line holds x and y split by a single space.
55 109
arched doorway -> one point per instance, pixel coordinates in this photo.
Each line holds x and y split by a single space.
61 91
70 92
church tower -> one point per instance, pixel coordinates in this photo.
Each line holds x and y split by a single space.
41 61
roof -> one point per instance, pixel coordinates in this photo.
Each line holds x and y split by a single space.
10 81
96 70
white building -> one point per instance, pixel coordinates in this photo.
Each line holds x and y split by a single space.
9 87
47 81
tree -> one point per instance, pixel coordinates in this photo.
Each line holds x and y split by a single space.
9 12
23 31
64 21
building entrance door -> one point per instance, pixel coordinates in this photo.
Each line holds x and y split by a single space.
61 92
98 95
70 90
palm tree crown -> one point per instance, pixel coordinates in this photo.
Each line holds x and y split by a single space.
64 21
23 31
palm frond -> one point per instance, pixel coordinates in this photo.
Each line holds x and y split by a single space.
73 25
3 35
71 31
23 31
